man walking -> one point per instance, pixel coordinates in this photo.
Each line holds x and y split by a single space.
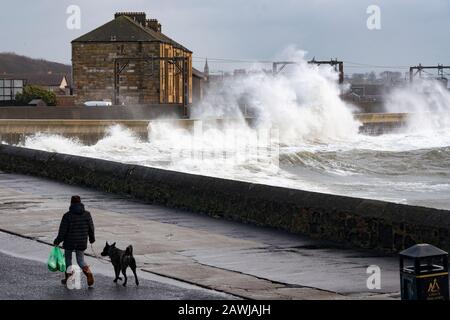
75 229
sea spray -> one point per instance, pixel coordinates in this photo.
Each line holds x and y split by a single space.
428 103
303 104
314 142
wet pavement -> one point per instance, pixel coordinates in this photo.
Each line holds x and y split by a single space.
27 279
24 275
230 257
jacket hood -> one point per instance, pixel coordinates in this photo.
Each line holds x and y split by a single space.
77 208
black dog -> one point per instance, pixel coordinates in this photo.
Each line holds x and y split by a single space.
121 260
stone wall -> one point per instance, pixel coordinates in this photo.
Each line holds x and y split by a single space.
171 88
90 130
141 82
93 72
378 225
129 112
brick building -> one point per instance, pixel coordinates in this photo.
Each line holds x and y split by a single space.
130 61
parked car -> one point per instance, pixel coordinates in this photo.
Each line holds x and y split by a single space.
98 103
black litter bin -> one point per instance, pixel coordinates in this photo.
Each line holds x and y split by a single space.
424 273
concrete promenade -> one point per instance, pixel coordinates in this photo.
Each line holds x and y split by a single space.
25 276
229 257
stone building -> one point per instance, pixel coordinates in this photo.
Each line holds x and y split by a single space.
199 80
130 61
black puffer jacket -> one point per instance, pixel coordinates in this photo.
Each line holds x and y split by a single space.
75 228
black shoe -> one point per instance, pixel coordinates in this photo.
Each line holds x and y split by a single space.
64 281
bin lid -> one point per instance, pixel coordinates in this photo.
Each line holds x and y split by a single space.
422 250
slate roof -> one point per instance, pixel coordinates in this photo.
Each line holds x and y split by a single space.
125 29
198 73
39 78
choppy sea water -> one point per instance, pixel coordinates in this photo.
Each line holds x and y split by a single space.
404 167
313 141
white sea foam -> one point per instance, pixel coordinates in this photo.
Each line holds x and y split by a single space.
310 127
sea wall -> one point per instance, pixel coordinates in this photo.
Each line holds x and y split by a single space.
89 131
15 131
129 112
378 225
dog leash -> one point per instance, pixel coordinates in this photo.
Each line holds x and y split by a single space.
102 260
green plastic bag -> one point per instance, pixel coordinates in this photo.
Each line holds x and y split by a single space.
56 261
61 262
52 260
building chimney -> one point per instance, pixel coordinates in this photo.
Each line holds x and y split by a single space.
154 25
139 17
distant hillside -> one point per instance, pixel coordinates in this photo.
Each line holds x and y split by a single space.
11 63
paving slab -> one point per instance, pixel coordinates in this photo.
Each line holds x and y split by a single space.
32 281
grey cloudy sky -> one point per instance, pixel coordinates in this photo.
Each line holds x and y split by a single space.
412 31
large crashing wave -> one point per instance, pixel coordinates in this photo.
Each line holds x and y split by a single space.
304 137
303 104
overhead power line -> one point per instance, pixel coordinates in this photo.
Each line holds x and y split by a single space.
373 65
376 67
349 64
224 60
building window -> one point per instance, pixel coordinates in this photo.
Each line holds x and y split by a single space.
9 89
